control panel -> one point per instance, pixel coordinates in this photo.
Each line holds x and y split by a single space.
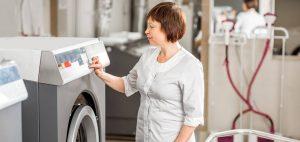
8 75
12 88
73 63
71 59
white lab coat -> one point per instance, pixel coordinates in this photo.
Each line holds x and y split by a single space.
172 95
247 21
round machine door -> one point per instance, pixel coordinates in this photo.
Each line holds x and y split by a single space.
83 127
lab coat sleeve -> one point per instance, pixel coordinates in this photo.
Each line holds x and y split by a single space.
193 95
130 80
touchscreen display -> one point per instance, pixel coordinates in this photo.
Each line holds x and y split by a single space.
8 75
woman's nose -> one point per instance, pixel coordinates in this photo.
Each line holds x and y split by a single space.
146 31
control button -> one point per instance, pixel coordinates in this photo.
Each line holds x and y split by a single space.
67 64
80 61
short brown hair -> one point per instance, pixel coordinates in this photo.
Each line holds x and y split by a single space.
171 18
251 4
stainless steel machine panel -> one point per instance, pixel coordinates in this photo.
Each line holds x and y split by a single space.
12 92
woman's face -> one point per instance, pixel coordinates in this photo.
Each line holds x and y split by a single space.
154 33
244 7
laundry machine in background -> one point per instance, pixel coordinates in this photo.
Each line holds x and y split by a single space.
12 93
121 111
66 100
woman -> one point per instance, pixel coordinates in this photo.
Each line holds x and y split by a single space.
169 79
249 19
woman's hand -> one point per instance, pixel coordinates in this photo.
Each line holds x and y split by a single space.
112 81
185 133
97 66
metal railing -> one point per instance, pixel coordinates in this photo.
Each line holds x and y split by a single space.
212 136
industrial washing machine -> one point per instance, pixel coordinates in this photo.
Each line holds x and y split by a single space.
66 100
12 93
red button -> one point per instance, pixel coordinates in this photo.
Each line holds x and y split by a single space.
67 64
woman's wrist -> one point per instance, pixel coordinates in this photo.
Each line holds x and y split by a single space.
100 73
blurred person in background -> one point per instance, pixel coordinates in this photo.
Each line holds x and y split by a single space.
249 19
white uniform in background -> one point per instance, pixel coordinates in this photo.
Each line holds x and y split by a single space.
247 21
32 17
172 95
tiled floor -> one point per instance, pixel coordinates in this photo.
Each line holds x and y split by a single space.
113 138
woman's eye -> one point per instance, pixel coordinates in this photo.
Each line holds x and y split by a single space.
150 26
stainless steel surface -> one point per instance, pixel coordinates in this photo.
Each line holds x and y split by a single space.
54 122
37 57
11 124
47 112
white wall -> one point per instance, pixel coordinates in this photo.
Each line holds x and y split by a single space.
152 3
10 15
120 16
187 39
46 17
10 18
